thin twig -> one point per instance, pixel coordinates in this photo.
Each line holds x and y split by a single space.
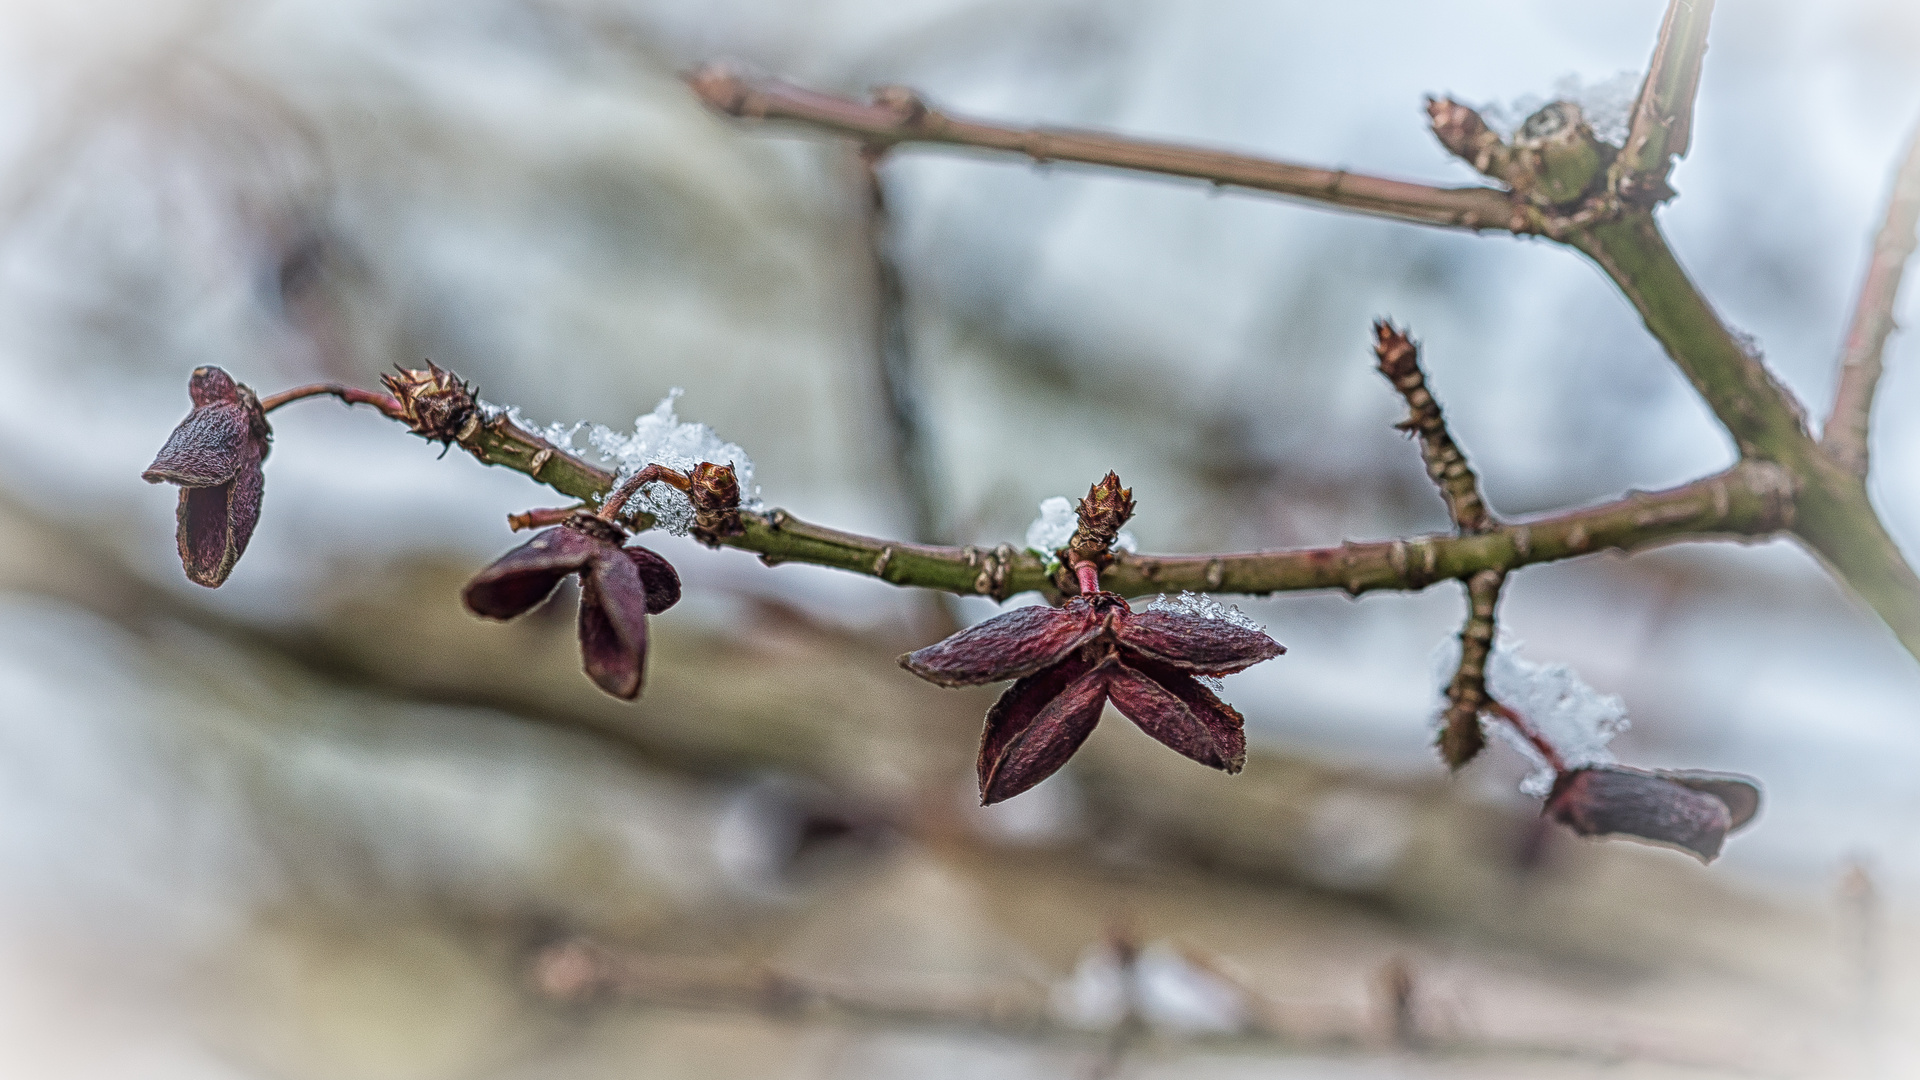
899 116
1662 126
906 421
581 972
1845 434
1447 466
352 395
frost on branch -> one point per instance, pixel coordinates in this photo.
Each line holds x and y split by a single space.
1573 718
658 438
1055 526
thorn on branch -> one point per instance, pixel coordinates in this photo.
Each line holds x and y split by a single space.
1399 361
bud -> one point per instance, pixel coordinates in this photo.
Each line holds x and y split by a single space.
1560 150
1104 511
714 491
435 403
214 456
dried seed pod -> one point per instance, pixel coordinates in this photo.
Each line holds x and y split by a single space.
1609 800
619 587
1071 660
215 455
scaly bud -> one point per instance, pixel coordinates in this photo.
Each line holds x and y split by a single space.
436 404
714 491
1103 512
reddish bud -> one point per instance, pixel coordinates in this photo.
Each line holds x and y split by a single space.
1071 660
619 587
214 455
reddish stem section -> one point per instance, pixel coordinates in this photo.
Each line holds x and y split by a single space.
1089 576
1530 733
610 509
352 395
540 518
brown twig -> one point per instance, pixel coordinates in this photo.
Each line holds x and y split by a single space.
1662 124
352 395
899 116
1447 466
1845 435
906 422
615 503
1460 737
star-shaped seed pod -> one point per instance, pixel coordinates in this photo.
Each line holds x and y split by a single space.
214 456
619 587
1071 660
1689 809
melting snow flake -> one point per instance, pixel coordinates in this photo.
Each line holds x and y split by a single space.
1193 603
657 438
1574 718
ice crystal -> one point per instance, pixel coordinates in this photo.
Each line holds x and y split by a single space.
1193 603
1050 532
1574 718
657 438
1606 104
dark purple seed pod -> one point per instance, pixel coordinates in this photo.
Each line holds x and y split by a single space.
1072 660
1615 800
214 456
619 588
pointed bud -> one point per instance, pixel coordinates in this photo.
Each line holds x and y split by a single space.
1104 511
435 403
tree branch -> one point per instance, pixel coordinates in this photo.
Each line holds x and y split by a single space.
1845 434
1763 418
1752 499
898 116
1662 126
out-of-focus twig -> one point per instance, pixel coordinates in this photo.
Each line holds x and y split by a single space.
906 420
1845 434
899 116
1662 121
